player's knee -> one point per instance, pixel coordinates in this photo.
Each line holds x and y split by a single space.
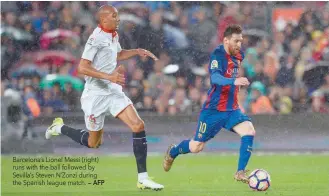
253 132
245 128
92 144
99 143
138 126
250 130
196 147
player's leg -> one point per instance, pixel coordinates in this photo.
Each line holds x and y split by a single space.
185 147
126 112
90 139
247 132
130 117
195 145
100 140
94 108
241 124
209 125
95 138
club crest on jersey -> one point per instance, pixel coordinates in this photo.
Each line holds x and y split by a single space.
214 64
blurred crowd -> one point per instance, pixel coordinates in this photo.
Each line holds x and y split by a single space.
43 41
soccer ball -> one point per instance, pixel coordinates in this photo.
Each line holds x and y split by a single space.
259 180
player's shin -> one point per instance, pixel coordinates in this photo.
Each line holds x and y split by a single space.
140 151
245 151
182 148
79 136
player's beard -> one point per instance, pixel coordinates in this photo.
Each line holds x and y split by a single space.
231 50
235 51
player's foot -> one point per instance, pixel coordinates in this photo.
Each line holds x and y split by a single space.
168 160
242 176
51 131
148 183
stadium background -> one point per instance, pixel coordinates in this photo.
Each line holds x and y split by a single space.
286 45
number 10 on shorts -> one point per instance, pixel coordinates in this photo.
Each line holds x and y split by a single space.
203 127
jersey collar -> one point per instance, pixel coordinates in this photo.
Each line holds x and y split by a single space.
237 56
113 32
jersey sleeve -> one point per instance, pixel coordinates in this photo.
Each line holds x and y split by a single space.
90 49
214 64
217 72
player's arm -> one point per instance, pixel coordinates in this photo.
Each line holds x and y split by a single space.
216 72
126 54
217 77
85 66
87 69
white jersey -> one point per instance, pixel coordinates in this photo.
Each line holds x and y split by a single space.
101 49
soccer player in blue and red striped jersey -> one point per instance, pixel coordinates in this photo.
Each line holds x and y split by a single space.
221 109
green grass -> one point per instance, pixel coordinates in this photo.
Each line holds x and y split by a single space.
191 175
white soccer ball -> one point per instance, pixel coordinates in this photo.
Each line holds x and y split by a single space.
259 180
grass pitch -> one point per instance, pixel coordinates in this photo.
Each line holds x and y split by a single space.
301 175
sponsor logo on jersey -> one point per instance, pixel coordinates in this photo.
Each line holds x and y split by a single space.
232 72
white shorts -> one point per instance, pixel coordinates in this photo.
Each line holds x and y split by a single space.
96 107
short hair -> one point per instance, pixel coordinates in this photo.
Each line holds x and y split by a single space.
232 29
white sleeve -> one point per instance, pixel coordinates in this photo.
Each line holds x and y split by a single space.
119 47
90 49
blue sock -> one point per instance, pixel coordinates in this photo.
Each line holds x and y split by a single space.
182 148
245 151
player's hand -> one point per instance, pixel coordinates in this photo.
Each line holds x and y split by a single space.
143 52
241 81
117 76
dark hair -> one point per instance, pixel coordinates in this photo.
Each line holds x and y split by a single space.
231 29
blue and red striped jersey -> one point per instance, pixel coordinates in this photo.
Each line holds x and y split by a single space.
223 69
